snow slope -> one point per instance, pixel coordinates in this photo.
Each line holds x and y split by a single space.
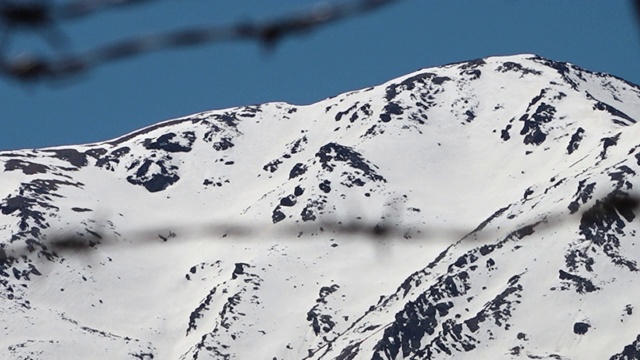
484 209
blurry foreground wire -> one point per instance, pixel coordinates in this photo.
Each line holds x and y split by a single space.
44 18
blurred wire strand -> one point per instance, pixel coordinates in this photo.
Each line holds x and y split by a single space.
45 17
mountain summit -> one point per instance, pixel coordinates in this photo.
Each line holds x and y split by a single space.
478 210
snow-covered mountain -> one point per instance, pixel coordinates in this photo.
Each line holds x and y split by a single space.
479 210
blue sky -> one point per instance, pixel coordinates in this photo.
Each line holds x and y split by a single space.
122 96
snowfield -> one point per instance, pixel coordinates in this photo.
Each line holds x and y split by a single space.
478 210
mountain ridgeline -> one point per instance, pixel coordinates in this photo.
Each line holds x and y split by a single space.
483 209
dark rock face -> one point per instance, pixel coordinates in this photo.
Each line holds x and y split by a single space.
532 128
425 319
575 141
607 143
511 66
170 142
27 167
155 175
313 208
272 166
325 186
564 69
288 201
390 109
239 270
34 202
630 352
32 206
583 194
581 328
223 144
411 83
297 170
628 309
599 105
493 216
111 160
237 296
340 114
277 215
472 69
332 153
604 223
222 130
199 311
581 284
321 321
436 302
361 112
298 145
73 156
602 226
504 134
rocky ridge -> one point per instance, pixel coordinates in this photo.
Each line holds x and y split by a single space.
484 209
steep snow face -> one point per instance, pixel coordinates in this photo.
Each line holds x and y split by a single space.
484 209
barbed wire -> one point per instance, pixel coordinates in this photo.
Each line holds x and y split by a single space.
45 17
387 229
37 13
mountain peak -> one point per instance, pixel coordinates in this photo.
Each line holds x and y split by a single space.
440 214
